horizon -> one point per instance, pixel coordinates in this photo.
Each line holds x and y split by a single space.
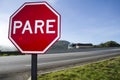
13 48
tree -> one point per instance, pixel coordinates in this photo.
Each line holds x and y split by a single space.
61 44
109 44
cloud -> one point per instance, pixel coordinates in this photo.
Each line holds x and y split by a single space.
4 25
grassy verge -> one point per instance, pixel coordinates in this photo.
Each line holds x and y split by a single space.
104 70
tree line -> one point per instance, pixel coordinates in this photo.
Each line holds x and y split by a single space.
108 44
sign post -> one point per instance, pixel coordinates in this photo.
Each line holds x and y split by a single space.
33 29
34 67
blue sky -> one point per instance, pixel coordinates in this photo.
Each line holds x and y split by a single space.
83 21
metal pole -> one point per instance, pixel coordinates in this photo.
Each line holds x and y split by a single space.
34 67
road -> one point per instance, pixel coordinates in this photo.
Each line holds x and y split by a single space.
17 64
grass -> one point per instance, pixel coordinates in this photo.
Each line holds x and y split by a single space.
104 70
10 53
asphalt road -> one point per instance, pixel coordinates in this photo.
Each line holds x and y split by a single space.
17 64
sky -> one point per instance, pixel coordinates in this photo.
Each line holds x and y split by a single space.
82 21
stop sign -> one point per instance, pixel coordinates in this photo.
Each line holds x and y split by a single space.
34 27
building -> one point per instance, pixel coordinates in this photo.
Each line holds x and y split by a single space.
80 45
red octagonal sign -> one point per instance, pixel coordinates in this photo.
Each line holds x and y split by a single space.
34 27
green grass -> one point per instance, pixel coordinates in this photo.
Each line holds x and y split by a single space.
104 70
